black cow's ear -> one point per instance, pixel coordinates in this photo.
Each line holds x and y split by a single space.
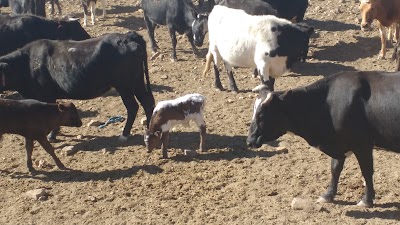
310 31
268 99
286 95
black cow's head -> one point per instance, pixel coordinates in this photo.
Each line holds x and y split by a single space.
69 114
269 119
71 29
199 29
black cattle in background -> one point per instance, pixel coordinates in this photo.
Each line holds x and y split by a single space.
19 30
179 16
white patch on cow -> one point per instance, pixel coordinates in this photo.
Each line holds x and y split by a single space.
365 1
196 117
171 103
72 50
256 104
194 21
349 153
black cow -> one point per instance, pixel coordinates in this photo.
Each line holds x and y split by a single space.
180 16
290 9
23 29
252 7
35 7
348 112
47 70
4 3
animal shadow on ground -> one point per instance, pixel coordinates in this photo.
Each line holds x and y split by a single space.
82 176
331 25
112 144
319 69
365 47
236 146
391 212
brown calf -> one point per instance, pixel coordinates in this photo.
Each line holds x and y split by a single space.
34 120
386 12
173 112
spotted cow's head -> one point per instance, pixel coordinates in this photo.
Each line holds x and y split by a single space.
368 13
152 139
200 29
269 119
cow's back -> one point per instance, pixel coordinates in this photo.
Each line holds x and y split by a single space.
365 103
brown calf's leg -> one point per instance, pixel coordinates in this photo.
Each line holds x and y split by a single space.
29 150
49 149
202 138
165 139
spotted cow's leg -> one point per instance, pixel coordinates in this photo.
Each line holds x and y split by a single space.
201 124
232 81
336 169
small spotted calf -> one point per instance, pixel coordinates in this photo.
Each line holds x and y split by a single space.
172 112
34 120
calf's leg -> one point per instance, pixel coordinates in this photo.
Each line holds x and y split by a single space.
165 139
49 149
202 126
93 11
382 31
336 169
103 5
85 13
29 150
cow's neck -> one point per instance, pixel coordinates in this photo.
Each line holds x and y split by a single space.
306 111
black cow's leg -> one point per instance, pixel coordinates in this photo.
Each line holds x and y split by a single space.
218 84
336 169
49 149
365 160
194 48
270 82
52 7
29 150
58 6
146 99
174 42
255 73
150 30
132 107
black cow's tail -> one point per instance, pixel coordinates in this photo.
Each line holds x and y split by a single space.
146 70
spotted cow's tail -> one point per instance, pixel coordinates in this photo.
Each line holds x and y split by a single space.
209 58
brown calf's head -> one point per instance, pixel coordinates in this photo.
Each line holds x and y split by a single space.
69 115
152 140
368 13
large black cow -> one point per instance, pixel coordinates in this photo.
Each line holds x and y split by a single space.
180 16
4 3
348 112
17 31
47 70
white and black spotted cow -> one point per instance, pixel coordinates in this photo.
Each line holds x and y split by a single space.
169 113
270 44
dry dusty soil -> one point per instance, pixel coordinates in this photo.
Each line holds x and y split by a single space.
120 183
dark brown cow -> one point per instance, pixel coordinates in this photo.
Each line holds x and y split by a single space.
173 112
34 120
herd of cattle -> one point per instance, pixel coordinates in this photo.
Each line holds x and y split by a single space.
345 113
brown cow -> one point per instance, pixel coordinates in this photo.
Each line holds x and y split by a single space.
386 12
34 120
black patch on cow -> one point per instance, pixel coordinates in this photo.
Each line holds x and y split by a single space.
273 29
292 42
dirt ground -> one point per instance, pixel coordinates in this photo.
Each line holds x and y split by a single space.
120 183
